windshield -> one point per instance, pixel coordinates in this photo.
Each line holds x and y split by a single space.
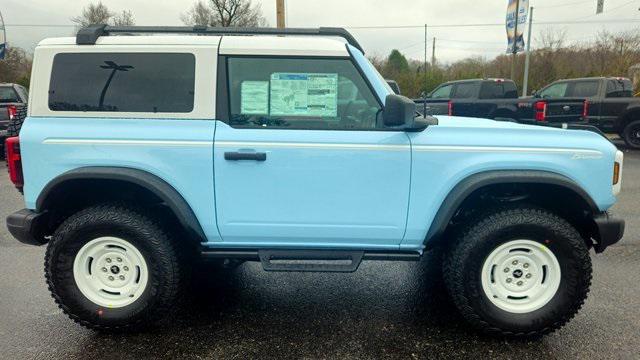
378 82
8 95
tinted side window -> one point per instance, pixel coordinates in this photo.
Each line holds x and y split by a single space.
585 88
557 90
8 95
510 90
122 82
299 94
619 88
466 90
443 92
492 90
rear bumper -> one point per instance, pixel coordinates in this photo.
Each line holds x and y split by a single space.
610 231
27 225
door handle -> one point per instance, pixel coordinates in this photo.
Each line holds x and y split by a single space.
237 156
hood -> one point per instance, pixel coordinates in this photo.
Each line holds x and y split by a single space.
467 122
462 131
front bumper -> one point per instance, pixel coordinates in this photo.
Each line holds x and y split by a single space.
27 226
610 231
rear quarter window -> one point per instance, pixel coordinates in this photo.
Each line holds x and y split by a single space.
466 90
8 95
123 82
585 88
492 90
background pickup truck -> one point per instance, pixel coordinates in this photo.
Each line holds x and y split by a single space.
498 99
611 105
13 109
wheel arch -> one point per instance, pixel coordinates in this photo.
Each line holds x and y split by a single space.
471 185
632 113
123 178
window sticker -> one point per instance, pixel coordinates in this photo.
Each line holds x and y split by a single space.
301 94
254 98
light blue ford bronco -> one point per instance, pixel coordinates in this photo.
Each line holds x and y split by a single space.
143 154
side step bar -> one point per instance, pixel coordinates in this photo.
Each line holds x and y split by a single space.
308 260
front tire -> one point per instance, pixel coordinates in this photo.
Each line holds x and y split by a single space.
631 134
112 268
518 273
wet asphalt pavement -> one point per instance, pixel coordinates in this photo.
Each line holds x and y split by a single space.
384 310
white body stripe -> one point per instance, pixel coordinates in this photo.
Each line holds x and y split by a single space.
509 149
126 142
335 146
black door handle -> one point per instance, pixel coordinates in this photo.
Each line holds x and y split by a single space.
237 156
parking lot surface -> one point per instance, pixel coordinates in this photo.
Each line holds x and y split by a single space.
384 310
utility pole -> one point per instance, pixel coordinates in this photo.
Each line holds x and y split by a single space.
525 83
425 58
280 14
433 54
514 54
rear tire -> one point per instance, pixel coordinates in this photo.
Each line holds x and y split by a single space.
112 268
631 134
523 272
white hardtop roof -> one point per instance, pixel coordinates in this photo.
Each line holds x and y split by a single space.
230 44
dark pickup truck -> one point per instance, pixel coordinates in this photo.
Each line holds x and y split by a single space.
13 110
498 99
611 105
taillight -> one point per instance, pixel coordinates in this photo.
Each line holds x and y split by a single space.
12 111
540 108
450 108
14 161
585 109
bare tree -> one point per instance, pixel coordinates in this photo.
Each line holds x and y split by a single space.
93 14
16 66
225 13
199 14
98 13
124 18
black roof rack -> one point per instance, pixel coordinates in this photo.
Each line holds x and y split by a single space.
91 33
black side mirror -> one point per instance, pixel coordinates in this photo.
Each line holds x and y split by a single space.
394 86
398 111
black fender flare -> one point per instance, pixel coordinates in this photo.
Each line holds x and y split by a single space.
622 120
160 188
466 187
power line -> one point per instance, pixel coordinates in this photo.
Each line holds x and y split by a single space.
570 22
376 27
40 25
562 5
608 11
566 4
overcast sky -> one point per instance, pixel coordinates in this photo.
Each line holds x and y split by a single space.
452 44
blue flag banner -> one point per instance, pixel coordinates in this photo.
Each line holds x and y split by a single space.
3 38
517 10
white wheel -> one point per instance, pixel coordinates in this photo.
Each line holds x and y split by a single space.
110 272
520 276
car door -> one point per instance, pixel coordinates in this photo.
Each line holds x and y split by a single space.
617 95
300 157
464 99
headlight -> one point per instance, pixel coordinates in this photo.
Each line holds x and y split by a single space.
617 173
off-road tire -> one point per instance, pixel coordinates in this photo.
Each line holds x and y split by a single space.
628 134
166 271
463 266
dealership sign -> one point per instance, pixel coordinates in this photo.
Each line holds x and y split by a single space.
517 12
